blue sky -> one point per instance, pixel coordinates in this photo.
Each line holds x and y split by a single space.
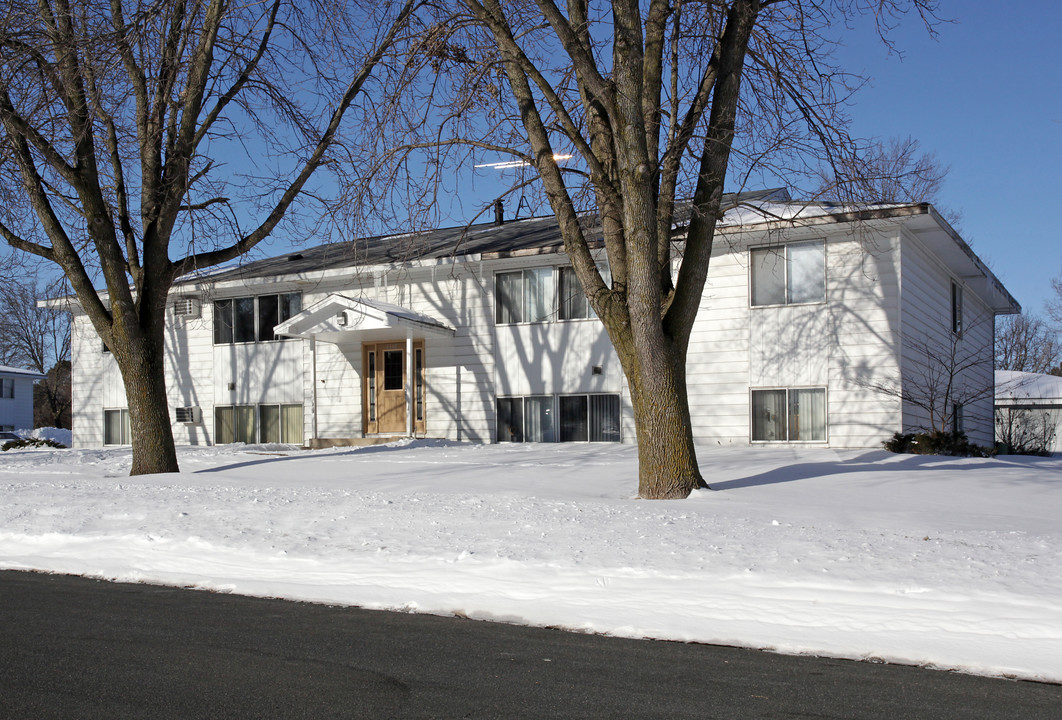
986 97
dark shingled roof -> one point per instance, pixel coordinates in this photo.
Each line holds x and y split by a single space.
512 237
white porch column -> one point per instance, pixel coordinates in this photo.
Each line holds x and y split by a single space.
313 382
409 382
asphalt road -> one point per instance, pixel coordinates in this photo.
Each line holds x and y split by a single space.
78 648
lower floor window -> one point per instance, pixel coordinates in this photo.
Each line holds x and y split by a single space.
563 418
281 424
789 415
116 427
262 423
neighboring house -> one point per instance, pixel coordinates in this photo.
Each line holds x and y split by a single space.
1029 409
482 334
16 398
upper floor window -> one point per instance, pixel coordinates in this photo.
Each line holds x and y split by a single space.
7 387
540 295
789 275
250 319
956 308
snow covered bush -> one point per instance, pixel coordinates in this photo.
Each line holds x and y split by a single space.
30 443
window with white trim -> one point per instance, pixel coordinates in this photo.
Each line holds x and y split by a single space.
559 418
7 387
265 423
116 428
538 295
790 274
789 415
956 308
251 319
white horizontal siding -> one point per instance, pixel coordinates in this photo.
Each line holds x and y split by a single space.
926 315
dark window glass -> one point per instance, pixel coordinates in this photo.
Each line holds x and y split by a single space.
223 322
573 420
290 306
268 316
372 387
392 369
510 420
419 375
243 326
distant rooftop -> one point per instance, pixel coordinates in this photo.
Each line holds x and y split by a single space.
7 370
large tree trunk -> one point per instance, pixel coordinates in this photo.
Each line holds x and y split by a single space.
667 458
144 377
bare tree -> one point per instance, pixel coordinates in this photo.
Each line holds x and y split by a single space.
37 335
1027 344
135 131
653 102
33 334
887 171
1054 304
944 375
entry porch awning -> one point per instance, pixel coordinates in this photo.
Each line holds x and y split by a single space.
341 320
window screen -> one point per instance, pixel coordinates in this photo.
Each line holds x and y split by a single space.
604 418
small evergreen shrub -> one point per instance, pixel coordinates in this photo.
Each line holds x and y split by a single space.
937 442
30 442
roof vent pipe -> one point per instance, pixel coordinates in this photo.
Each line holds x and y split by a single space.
499 212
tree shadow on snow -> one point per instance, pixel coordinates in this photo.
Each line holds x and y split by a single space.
360 451
871 462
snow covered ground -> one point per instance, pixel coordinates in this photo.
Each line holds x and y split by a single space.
947 563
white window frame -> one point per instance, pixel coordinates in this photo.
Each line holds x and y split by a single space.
783 252
825 419
126 432
554 410
558 305
7 388
256 320
257 420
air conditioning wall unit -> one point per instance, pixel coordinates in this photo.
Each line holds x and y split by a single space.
186 307
189 415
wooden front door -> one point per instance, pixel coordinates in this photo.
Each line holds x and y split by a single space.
387 393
